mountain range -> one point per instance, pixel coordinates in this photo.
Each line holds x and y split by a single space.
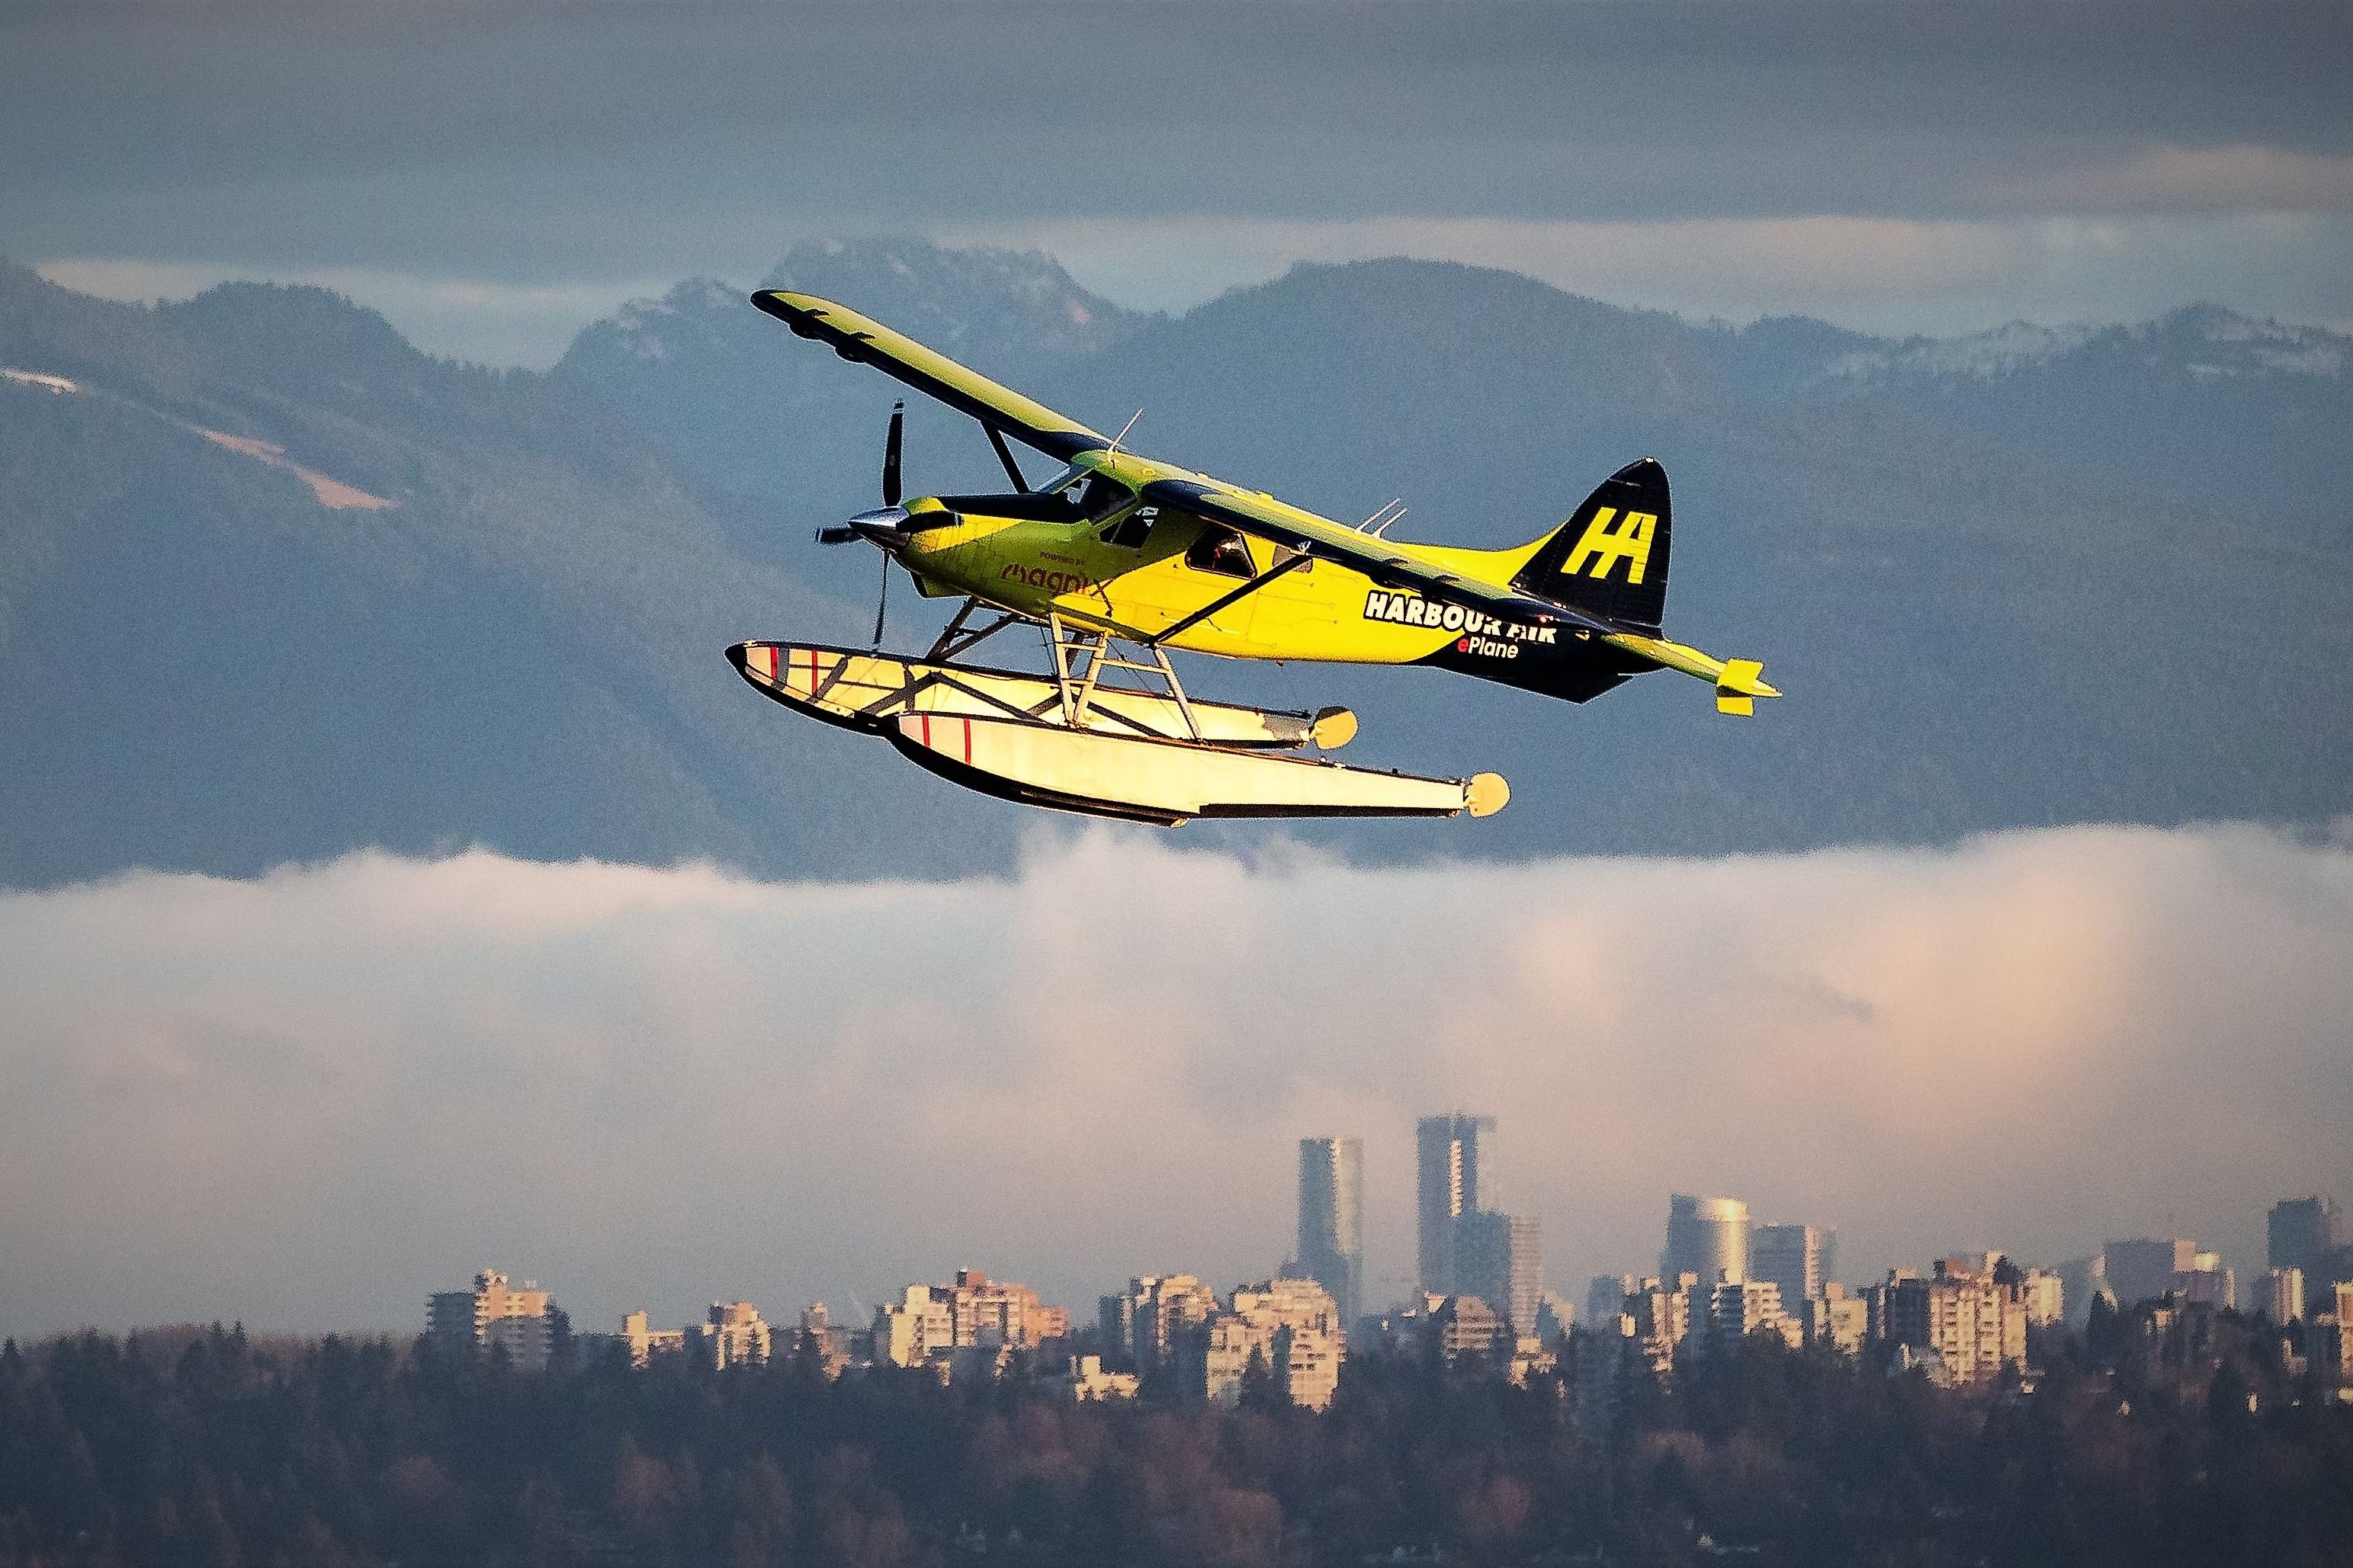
273 585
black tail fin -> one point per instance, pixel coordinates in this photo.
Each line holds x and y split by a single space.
1610 559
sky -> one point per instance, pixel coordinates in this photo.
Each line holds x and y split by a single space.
495 173
309 1100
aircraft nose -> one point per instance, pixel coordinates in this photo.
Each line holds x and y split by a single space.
883 525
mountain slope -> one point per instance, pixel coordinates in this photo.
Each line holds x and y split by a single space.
204 666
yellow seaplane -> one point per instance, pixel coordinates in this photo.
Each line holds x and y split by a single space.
1120 559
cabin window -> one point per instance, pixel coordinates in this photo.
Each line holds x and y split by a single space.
1130 532
1220 550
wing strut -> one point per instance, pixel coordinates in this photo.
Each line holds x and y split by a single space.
1005 456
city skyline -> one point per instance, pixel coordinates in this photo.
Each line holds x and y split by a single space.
1964 1318
1793 1263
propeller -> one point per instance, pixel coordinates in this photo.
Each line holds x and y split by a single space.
893 444
883 523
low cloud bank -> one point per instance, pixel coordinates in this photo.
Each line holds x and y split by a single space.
308 1100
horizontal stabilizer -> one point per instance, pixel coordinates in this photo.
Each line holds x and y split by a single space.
1739 685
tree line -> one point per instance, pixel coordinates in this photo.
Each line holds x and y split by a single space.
214 1449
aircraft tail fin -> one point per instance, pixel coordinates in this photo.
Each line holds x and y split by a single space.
1610 559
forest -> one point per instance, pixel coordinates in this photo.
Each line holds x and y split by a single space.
210 1447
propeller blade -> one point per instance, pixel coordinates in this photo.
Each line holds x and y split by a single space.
883 604
837 536
1005 456
891 455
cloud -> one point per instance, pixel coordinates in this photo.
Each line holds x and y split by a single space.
308 1100
546 147
1869 273
2199 179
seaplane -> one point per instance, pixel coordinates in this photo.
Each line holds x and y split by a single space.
1120 560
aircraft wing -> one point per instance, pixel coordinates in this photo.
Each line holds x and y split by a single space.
1320 537
869 342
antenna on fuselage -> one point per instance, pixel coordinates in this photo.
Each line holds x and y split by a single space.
1381 515
1125 428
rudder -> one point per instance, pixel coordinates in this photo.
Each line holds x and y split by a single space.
1610 559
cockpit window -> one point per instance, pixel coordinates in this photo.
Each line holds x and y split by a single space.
1102 497
1220 550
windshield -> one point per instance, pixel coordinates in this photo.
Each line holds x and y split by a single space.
1102 497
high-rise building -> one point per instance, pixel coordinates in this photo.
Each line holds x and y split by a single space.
1707 1237
2209 1281
1148 1325
1662 1314
2046 1298
2143 1268
1293 1326
1739 1308
974 1312
1089 1381
1463 1325
2302 1232
1455 1173
910 1331
644 1341
2282 1295
1793 1256
2328 1337
1500 1259
1838 1320
1332 1218
2084 1280
735 1335
1974 1320
1605 1299
492 1317
833 1346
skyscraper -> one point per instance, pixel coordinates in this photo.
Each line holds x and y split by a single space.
2302 1232
2143 1268
1332 1218
1707 1237
2282 1295
1793 1256
1456 1177
1500 1259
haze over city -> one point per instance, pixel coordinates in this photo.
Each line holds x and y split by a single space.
277 1101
